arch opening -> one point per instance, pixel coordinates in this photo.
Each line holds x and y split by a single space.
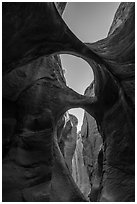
79 75
77 72
90 21
73 152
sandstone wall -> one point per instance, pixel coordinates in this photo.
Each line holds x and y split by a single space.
92 145
79 171
35 97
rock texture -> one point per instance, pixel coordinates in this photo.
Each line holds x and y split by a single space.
92 146
32 162
79 171
28 167
114 125
71 146
67 137
35 97
70 141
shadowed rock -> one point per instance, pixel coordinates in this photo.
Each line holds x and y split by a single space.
92 142
39 98
39 106
114 113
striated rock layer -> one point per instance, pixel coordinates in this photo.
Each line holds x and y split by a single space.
67 138
33 167
113 170
28 167
92 148
35 97
79 171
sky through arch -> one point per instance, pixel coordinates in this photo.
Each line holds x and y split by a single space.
90 22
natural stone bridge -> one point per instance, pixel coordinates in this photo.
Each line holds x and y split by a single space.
35 97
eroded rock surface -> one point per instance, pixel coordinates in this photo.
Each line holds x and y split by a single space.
30 156
92 146
35 97
116 107
69 137
79 171
32 166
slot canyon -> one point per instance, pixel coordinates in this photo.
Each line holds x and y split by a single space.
45 158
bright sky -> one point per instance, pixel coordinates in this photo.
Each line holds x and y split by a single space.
90 22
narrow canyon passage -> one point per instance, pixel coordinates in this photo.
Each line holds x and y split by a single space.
68 134
79 75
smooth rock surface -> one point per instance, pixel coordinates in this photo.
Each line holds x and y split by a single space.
35 97
79 171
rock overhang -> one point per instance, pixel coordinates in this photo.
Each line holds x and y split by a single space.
62 97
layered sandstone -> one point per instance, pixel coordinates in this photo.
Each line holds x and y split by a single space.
35 98
112 158
79 171
33 166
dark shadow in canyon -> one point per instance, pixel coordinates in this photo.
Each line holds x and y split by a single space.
36 98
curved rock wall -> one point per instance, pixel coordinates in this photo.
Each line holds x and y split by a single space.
71 146
67 141
79 171
31 150
32 162
70 142
92 145
107 173
35 97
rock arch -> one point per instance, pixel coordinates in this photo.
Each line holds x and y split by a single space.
38 95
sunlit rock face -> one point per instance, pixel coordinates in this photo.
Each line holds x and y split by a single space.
79 171
71 146
121 16
70 142
60 7
92 145
67 141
